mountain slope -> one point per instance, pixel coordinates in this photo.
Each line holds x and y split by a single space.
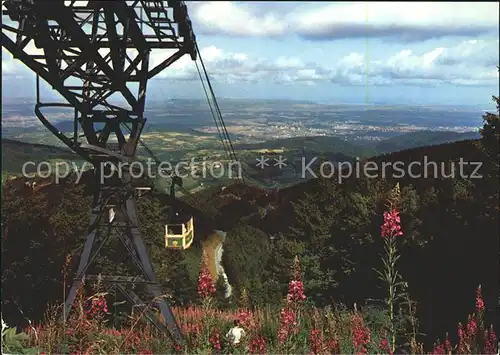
420 139
334 227
318 144
16 153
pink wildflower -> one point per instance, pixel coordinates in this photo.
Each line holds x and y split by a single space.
296 291
490 342
333 346
295 287
316 341
360 334
215 340
177 348
257 345
385 347
98 306
479 300
392 224
206 286
438 349
288 324
462 343
246 319
471 327
447 344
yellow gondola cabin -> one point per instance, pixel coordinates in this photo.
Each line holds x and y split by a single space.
180 235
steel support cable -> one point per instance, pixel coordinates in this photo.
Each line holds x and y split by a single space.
233 153
225 136
226 150
214 115
215 101
229 151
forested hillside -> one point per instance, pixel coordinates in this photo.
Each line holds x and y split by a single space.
421 138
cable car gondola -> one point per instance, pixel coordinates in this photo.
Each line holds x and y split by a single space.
179 232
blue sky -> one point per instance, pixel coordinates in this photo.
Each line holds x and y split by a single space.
418 53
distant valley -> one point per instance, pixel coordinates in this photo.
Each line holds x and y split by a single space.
183 130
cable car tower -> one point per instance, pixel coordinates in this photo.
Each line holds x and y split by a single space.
92 51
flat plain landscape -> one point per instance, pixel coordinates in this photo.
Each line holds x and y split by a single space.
184 130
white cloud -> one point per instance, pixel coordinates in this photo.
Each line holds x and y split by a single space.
235 19
458 65
470 62
402 21
11 66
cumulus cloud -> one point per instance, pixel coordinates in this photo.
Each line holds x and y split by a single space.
392 20
225 17
466 63
469 62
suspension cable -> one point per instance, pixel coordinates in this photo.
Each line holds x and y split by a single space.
217 108
221 137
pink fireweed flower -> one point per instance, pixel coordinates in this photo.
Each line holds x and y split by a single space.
97 307
360 334
206 286
215 340
132 340
247 319
333 346
257 345
177 348
385 347
490 342
296 291
471 327
479 300
316 341
295 287
447 344
462 344
392 224
288 324
438 349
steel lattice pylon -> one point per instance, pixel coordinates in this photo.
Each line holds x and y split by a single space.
91 51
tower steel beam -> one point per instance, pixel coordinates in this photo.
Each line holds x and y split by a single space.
89 52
